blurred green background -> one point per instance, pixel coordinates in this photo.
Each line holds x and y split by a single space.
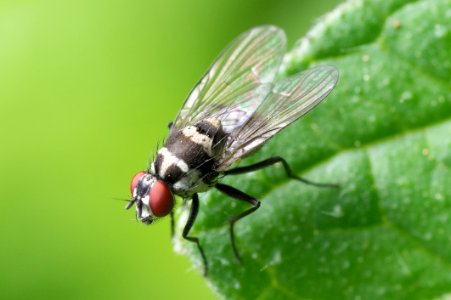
86 91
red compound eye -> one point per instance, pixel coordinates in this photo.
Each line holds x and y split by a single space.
135 180
161 200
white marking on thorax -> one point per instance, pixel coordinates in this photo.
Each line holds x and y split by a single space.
170 159
198 138
213 122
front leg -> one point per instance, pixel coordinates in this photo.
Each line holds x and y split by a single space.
192 217
239 195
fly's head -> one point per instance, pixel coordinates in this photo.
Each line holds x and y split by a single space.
152 196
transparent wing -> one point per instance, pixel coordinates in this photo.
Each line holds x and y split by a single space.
288 100
236 82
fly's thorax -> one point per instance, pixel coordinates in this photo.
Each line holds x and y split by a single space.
188 159
208 134
219 137
190 184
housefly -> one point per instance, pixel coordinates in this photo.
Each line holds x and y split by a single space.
232 111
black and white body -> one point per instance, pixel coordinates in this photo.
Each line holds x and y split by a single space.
232 111
190 157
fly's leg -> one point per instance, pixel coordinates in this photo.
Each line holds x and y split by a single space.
239 195
192 217
271 161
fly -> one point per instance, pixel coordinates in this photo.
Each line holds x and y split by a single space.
233 110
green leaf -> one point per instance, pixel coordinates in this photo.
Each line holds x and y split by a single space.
385 136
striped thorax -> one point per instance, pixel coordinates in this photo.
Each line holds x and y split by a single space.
187 160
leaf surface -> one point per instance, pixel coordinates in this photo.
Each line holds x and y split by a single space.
384 135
